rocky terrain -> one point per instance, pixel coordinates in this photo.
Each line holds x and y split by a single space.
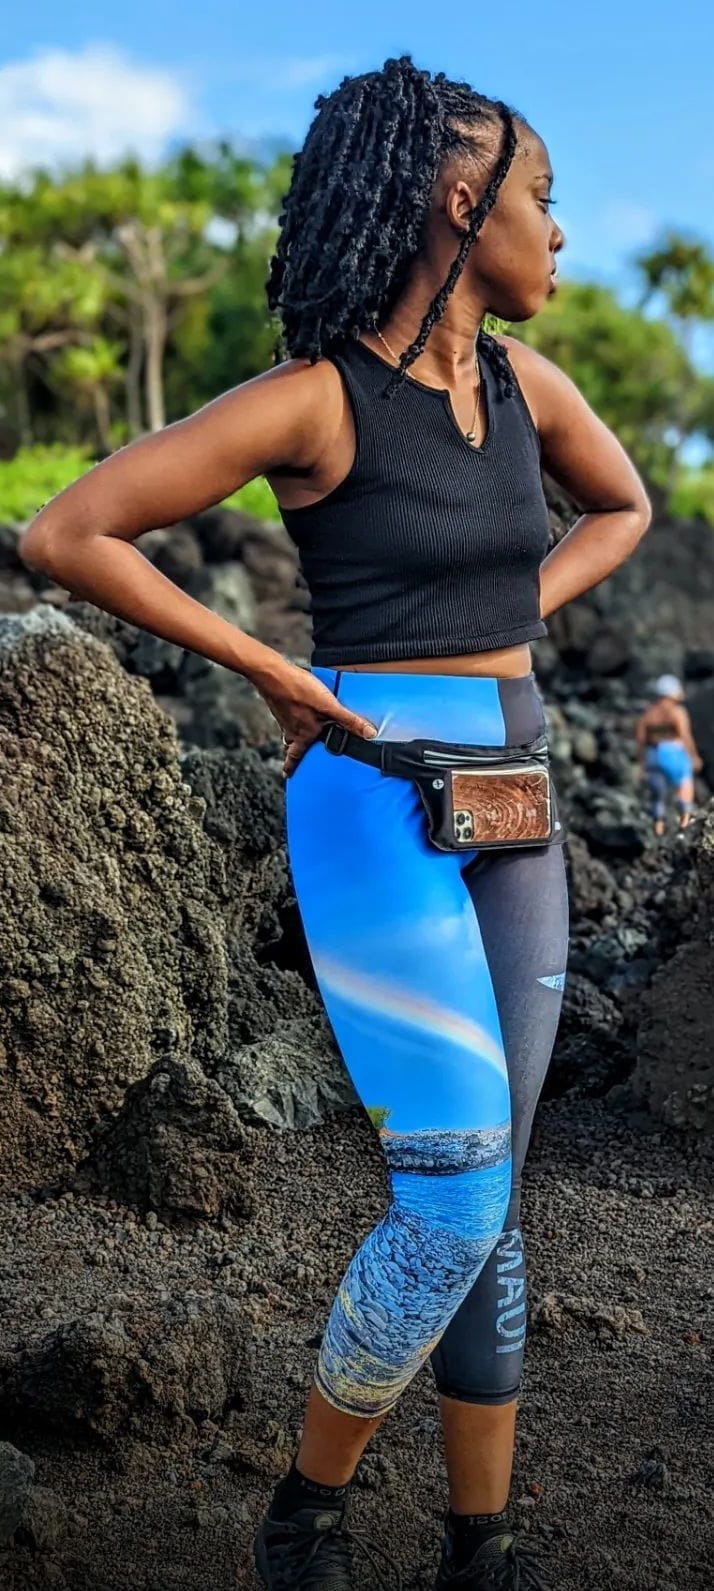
184 1171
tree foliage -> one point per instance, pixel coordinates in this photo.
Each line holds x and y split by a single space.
632 369
164 268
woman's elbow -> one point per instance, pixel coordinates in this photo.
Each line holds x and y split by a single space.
40 546
644 512
636 518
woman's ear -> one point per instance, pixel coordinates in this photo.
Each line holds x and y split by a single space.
459 205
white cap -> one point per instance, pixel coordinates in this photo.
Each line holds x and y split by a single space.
669 685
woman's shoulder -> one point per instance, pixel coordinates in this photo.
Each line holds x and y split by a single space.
546 389
304 380
303 400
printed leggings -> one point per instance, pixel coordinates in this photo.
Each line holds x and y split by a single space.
668 766
442 977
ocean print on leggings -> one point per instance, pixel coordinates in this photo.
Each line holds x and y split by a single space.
450 1185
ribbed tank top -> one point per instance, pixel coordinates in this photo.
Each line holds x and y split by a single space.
429 547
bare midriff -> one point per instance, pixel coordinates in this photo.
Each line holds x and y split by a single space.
509 662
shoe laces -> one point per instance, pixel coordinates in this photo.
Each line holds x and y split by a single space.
518 1569
330 1552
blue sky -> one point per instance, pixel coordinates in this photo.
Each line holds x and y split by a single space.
622 92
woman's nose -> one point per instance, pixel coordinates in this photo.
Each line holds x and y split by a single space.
558 238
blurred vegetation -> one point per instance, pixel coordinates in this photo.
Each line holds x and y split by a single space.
36 474
130 297
693 495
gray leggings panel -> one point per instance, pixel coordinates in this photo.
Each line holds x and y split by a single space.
522 905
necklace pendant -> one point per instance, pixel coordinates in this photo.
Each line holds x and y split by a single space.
470 436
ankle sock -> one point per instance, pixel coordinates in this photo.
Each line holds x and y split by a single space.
467 1532
295 1491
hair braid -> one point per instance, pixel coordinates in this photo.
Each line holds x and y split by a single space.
353 220
493 350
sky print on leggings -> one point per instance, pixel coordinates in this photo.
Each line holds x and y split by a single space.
413 1028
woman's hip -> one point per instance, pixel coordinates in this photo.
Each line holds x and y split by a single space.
458 708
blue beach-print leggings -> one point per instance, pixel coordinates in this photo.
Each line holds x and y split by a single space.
442 976
668 766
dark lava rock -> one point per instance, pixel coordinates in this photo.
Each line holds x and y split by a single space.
290 1079
111 896
177 1146
615 839
43 1522
221 532
700 703
699 663
593 887
30 1516
134 1369
176 552
16 1476
674 1074
590 1054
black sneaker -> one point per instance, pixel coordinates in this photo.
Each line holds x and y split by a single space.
313 1550
503 1563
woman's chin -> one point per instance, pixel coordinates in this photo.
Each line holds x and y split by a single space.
527 308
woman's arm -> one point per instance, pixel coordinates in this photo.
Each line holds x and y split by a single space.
584 457
641 735
286 420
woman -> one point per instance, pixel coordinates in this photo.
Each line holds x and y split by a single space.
404 447
667 752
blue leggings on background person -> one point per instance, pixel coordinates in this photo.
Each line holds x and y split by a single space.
442 976
668 766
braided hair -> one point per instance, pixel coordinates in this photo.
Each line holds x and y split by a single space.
353 220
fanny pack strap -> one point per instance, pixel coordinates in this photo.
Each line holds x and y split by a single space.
403 758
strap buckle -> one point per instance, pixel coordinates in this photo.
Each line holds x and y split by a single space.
328 734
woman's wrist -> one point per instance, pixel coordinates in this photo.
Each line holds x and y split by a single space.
261 664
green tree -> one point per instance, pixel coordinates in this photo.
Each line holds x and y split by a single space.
679 273
154 247
87 373
681 270
46 304
693 494
154 256
631 368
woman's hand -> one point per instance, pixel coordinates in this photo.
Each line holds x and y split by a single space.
302 704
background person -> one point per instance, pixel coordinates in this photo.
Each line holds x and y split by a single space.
667 752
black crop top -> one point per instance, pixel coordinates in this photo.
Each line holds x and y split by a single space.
429 547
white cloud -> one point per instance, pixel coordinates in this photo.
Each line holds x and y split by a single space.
59 107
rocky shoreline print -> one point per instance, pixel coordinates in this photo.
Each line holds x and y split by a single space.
445 1153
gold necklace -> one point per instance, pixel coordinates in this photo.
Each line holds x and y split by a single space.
470 435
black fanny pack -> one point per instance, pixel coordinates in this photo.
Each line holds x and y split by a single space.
475 797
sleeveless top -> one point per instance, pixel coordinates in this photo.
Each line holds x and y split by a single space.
429 547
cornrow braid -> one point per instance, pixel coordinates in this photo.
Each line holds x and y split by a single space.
353 220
